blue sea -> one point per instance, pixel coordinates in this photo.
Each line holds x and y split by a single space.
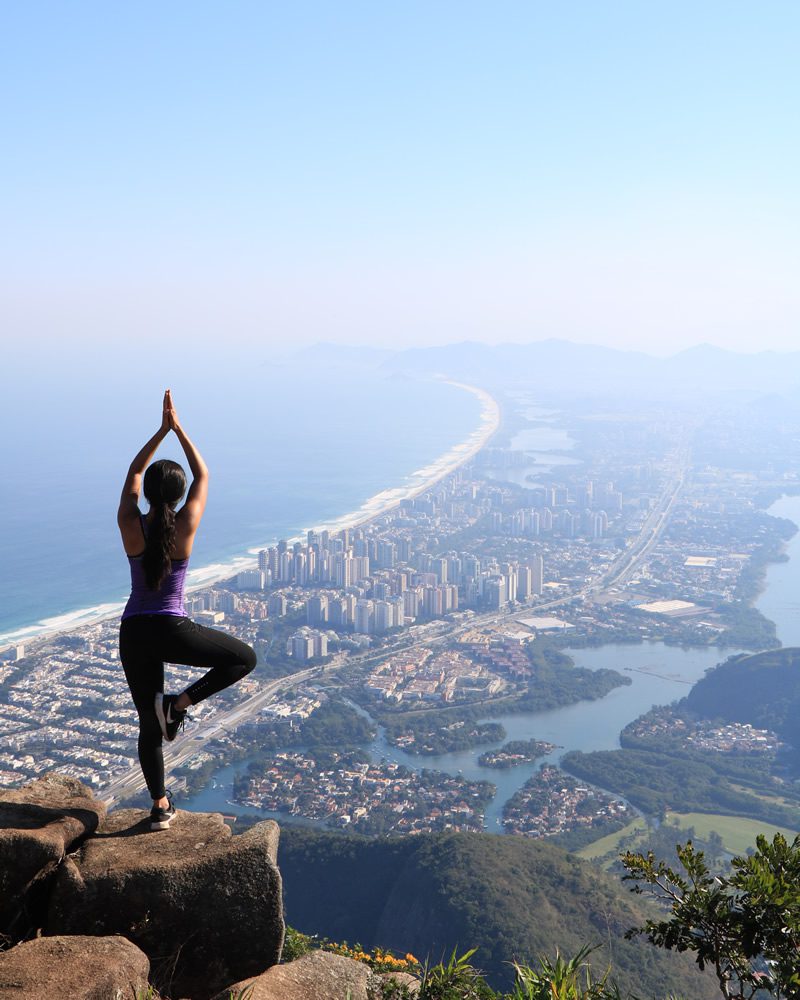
290 444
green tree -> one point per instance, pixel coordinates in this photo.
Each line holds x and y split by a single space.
745 926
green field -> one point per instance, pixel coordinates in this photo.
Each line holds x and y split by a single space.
737 832
777 800
599 848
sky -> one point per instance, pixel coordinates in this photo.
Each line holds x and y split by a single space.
220 176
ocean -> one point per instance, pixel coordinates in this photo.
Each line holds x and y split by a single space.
289 446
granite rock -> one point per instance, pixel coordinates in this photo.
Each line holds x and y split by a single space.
39 824
203 905
319 975
77 968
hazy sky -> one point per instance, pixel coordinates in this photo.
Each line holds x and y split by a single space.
401 173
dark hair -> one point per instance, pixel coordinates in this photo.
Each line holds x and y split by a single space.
164 485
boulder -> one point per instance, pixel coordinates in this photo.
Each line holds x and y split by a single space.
319 975
39 824
205 906
400 979
78 968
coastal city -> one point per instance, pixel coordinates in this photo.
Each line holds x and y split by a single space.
426 615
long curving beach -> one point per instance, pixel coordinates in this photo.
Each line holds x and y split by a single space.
423 479
204 576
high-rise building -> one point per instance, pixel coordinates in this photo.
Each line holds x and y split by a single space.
364 617
494 591
384 617
449 597
343 569
250 579
472 592
472 567
228 602
510 575
276 605
285 565
411 602
317 609
300 569
337 613
360 568
432 602
536 564
440 569
302 644
454 569
399 610
387 554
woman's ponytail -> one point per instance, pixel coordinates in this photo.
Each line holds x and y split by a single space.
164 485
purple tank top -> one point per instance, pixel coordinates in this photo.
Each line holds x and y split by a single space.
167 600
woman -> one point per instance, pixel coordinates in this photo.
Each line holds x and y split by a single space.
154 627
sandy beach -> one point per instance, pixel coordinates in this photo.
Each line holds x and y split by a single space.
204 576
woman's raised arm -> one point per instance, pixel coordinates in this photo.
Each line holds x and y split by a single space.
129 500
195 504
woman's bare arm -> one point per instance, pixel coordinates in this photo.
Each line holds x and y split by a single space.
128 510
192 510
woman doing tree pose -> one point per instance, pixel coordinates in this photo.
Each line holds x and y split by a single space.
155 628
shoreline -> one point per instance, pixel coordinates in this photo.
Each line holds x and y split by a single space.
205 576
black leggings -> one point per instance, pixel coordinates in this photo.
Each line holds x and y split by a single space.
146 642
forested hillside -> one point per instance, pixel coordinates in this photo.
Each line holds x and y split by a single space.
763 689
508 896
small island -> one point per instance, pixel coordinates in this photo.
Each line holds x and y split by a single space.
516 752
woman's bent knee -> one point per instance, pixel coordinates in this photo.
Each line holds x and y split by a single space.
243 669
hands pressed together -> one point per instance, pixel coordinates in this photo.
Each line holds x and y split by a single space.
169 415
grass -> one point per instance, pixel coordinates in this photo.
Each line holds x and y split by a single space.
777 800
737 832
605 845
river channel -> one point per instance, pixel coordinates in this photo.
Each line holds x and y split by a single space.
659 674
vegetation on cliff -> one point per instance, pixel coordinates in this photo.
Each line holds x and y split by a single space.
744 925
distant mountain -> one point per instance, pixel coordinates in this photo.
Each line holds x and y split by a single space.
559 367
510 897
